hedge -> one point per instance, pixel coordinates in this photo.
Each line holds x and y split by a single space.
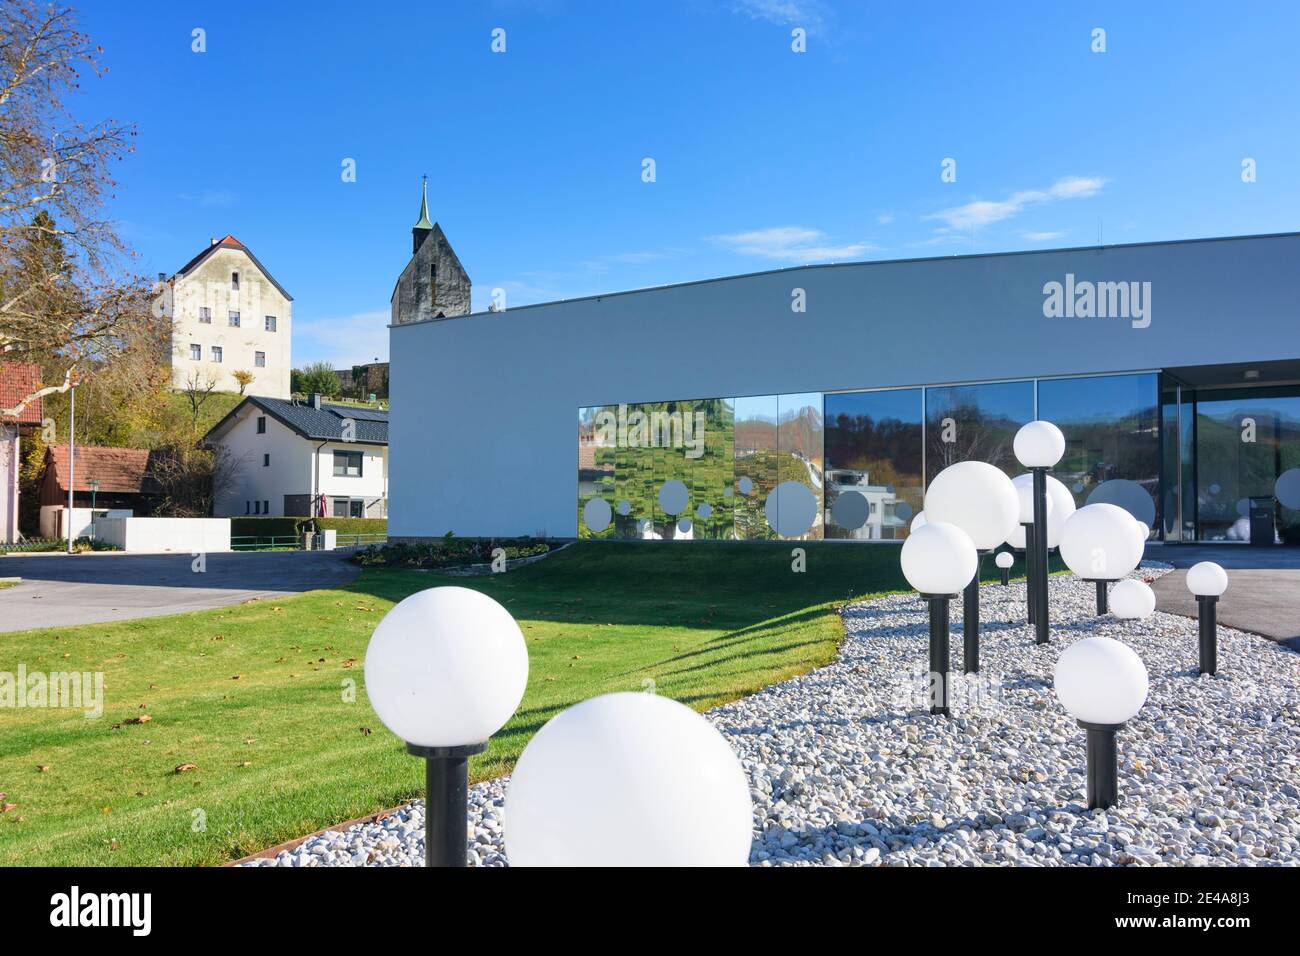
352 525
266 527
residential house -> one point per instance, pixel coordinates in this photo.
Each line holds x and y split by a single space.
285 457
105 479
17 381
228 314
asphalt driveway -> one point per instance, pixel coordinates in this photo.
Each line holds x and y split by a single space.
62 590
1263 595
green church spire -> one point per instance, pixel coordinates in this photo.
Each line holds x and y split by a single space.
424 222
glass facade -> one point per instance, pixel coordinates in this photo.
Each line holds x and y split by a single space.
855 464
1112 430
975 423
874 447
1244 440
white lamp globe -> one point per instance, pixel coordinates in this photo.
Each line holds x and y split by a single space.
1101 681
1131 600
1207 579
446 667
1039 444
1142 529
1024 485
917 521
1097 543
976 497
628 779
1060 505
939 558
1004 559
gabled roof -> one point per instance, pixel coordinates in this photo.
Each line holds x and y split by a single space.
230 242
17 381
318 424
118 470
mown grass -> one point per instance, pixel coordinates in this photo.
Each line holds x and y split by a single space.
266 699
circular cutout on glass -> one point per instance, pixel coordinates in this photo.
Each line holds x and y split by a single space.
1287 488
850 510
791 509
1243 507
596 514
1128 495
673 497
903 510
625 507
746 485
1215 489
726 492
705 510
1078 487
684 527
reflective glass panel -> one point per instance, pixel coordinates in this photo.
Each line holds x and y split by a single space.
975 423
873 447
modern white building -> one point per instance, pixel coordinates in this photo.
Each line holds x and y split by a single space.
228 314
312 458
1173 369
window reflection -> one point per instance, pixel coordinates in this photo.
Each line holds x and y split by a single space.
873 448
975 423
1112 430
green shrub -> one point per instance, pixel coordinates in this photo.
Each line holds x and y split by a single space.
450 552
352 525
266 527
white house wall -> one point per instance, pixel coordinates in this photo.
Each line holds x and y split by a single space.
484 410
288 474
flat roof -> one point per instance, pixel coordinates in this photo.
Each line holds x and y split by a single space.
863 262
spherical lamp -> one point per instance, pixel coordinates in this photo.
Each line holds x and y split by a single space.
1098 544
1103 684
1039 444
445 669
917 521
629 779
1208 581
939 559
1132 600
982 501
1004 561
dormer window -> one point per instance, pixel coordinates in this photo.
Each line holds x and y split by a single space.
234 282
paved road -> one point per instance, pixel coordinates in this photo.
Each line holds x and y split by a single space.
62 590
1263 594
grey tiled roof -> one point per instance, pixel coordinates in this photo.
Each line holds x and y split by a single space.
324 423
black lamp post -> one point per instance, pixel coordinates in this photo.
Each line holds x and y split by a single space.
940 652
1038 446
1103 603
1040 556
1103 765
1208 581
445 669
970 620
446 803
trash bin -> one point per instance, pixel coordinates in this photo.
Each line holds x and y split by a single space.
1262 533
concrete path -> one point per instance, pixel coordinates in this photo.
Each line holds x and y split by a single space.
1263 595
62 590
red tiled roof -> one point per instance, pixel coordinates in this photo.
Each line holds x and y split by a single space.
118 470
17 381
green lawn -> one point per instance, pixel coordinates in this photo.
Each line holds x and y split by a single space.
255 698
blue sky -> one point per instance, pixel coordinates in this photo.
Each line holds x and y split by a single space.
765 158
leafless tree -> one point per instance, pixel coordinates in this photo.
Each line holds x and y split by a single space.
67 297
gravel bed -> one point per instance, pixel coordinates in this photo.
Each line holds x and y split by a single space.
848 767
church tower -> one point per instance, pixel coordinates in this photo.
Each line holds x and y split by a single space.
434 285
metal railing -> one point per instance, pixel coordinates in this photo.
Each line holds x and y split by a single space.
265 542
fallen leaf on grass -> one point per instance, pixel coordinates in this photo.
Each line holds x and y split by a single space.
365 731
6 807
184 767
43 768
142 719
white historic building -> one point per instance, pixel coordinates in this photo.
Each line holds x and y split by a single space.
228 314
306 458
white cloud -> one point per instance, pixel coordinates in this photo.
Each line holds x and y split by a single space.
1042 236
343 342
976 215
790 244
885 218
809 14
